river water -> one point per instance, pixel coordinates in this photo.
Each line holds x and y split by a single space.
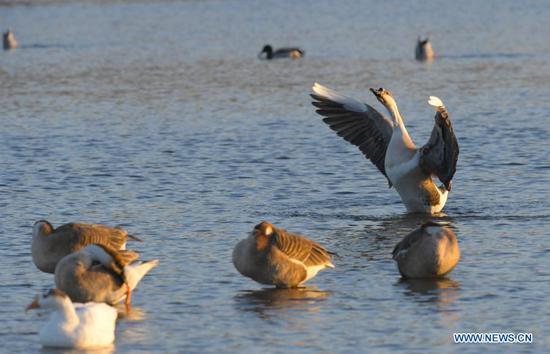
158 116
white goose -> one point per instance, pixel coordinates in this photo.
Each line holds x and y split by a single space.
101 274
388 145
90 325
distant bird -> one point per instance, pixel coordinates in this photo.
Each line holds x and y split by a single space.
388 145
9 40
293 53
424 50
274 256
90 325
99 273
50 244
428 252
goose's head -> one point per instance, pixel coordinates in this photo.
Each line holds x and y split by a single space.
262 234
50 299
268 50
385 97
263 229
42 228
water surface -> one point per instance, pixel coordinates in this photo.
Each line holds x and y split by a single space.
159 117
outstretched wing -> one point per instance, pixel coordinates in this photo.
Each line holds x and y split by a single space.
301 249
440 155
356 122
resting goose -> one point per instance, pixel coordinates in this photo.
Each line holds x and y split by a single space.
424 50
274 256
388 145
83 326
101 274
428 252
50 244
293 53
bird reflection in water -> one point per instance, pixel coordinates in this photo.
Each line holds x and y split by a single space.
438 290
106 350
266 300
133 313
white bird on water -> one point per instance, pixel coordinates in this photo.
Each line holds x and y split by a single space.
388 145
90 325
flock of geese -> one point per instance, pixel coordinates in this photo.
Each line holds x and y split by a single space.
93 269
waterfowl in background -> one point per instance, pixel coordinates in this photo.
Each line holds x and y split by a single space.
84 326
293 53
430 251
424 50
99 273
50 244
388 145
9 40
274 256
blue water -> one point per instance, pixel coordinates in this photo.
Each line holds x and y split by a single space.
159 117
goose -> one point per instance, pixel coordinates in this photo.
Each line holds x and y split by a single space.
50 244
98 273
83 326
9 40
430 251
274 256
424 50
388 145
293 53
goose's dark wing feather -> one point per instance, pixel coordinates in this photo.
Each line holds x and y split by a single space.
440 155
356 122
300 248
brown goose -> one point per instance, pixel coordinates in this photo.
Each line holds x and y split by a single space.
99 273
430 251
9 40
50 244
388 145
424 50
277 257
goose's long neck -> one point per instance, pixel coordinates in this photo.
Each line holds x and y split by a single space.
399 124
39 250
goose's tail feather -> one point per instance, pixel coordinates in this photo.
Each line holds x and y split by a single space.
137 270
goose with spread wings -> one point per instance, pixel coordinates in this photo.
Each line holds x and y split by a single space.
387 144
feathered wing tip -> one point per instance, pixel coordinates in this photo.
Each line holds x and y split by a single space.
332 95
137 270
132 237
435 101
135 238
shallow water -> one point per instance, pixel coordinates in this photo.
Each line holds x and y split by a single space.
158 116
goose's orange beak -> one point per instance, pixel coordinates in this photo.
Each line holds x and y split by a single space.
33 305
